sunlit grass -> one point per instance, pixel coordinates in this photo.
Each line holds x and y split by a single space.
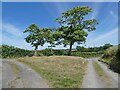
59 71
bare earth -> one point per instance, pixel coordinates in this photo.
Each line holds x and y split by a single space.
23 78
92 80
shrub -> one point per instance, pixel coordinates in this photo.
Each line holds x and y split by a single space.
87 54
12 52
112 58
115 62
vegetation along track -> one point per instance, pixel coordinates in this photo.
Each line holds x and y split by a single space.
99 76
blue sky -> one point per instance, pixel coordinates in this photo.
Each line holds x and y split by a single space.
17 16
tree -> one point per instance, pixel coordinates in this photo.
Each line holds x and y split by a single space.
106 46
50 38
73 26
80 48
35 37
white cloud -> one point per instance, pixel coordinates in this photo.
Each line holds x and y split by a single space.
17 42
15 37
109 37
11 29
12 35
106 35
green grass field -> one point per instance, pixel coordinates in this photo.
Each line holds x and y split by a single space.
59 71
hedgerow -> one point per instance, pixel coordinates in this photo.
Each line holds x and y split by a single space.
12 52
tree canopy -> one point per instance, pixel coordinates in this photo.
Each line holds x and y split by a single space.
38 36
74 27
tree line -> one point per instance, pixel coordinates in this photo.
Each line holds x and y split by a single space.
93 49
14 52
73 28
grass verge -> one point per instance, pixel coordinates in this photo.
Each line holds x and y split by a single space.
101 73
59 71
15 69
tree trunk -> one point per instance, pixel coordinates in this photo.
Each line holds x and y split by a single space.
36 47
69 53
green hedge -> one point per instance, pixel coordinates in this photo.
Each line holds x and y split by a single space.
12 52
112 58
87 54
115 62
49 52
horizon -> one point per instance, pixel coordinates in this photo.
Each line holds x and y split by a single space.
18 16
58 48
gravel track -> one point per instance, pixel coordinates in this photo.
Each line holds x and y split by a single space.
92 80
25 78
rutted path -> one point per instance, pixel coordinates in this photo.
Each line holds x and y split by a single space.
92 80
20 77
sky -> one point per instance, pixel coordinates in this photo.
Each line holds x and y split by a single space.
16 17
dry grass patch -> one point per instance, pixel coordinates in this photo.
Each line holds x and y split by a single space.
59 71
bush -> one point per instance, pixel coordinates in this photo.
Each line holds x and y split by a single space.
112 58
39 54
13 52
60 52
46 52
109 53
115 62
49 52
86 54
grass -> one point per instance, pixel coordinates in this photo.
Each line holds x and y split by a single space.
98 69
106 60
15 69
100 72
59 71
87 54
109 54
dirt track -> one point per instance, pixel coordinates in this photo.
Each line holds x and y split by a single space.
92 80
21 77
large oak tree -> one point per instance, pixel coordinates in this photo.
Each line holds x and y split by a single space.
74 27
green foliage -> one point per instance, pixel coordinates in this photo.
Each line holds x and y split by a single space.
112 58
13 52
47 52
87 54
73 26
60 52
38 36
93 49
35 36
109 53
106 46
115 62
